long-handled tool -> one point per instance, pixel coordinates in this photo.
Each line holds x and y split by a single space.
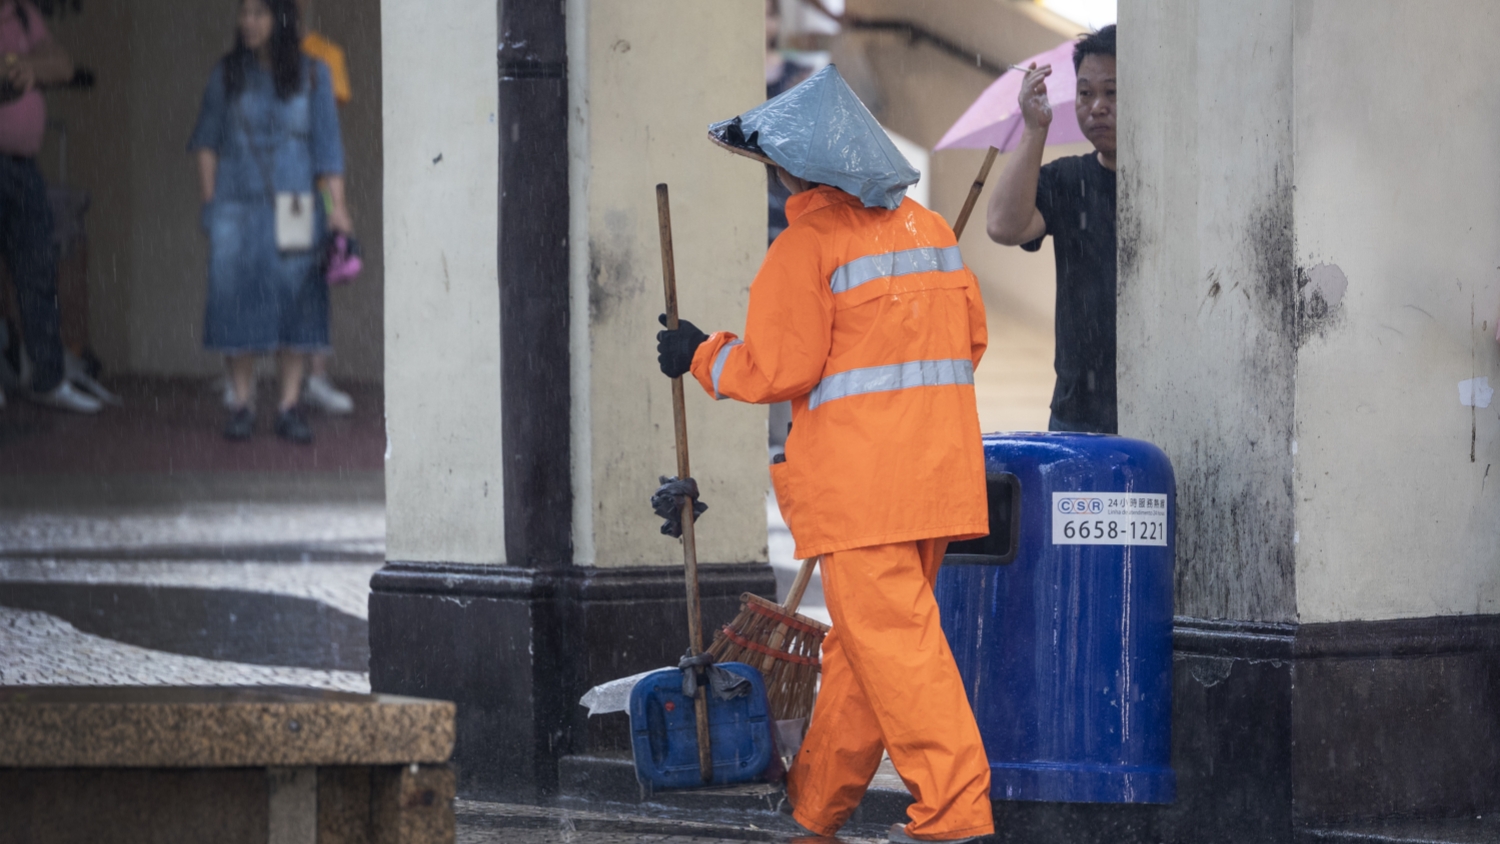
689 547
974 189
779 642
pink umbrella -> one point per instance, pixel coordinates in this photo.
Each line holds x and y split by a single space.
994 120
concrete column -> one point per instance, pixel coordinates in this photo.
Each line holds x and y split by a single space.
444 486
1307 293
543 381
645 80
1207 316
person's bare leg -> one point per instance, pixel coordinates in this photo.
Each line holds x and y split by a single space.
319 365
241 377
292 364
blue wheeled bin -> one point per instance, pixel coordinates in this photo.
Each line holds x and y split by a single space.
664 732
1061 619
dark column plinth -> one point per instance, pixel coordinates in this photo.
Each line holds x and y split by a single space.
516 648
1231 733
1397 718
1283 732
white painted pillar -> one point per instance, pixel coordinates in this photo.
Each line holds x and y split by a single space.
442 317
645 80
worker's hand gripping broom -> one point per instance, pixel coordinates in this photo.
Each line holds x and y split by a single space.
689 547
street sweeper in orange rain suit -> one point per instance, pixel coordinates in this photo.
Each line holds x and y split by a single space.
867 320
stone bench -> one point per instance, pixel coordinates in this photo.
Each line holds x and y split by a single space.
223 764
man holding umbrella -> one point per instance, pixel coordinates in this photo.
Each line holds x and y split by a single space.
865 318
1072 199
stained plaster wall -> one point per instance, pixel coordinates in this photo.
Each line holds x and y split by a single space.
1307 270
1398 505
126 147
645 80
1206 288
442 315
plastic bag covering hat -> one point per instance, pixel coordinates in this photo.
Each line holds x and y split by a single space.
821 132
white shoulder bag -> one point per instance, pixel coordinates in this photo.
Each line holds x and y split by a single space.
296 229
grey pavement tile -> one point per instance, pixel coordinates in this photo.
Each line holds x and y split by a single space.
37 649
343 586
361 527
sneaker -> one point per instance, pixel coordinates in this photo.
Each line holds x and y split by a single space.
67 397
898 836
231 401
241 424
76 370
291 427
321 393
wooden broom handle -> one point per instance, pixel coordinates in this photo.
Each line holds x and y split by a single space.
689 541
974 189
793 600
804 574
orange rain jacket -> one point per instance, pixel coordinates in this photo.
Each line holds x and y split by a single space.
869 322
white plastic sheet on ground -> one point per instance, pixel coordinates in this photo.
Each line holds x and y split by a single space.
789 736
613 696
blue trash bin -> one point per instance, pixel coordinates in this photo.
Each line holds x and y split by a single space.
1061 619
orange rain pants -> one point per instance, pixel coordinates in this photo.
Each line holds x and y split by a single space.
890 682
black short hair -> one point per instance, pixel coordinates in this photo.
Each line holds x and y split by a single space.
1101 43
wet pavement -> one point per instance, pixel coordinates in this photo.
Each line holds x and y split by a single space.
244 546
169 426
236 530
343 586
483 823
37 649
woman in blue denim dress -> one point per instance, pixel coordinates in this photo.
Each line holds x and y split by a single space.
268 126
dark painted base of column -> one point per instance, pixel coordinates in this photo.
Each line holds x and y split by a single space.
516 648
1285 732
1397 718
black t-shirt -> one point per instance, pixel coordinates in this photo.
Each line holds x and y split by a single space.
1077 199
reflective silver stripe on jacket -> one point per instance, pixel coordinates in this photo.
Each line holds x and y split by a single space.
719 359
924 259
895 376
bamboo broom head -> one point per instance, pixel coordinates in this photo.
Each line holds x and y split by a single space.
783 645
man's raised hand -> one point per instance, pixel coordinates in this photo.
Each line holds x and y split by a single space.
1035 108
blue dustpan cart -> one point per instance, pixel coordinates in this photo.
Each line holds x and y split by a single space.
664 739
1061 619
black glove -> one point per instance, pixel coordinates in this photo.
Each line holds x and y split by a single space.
675 349
667 503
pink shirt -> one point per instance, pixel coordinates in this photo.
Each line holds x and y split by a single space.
23 121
